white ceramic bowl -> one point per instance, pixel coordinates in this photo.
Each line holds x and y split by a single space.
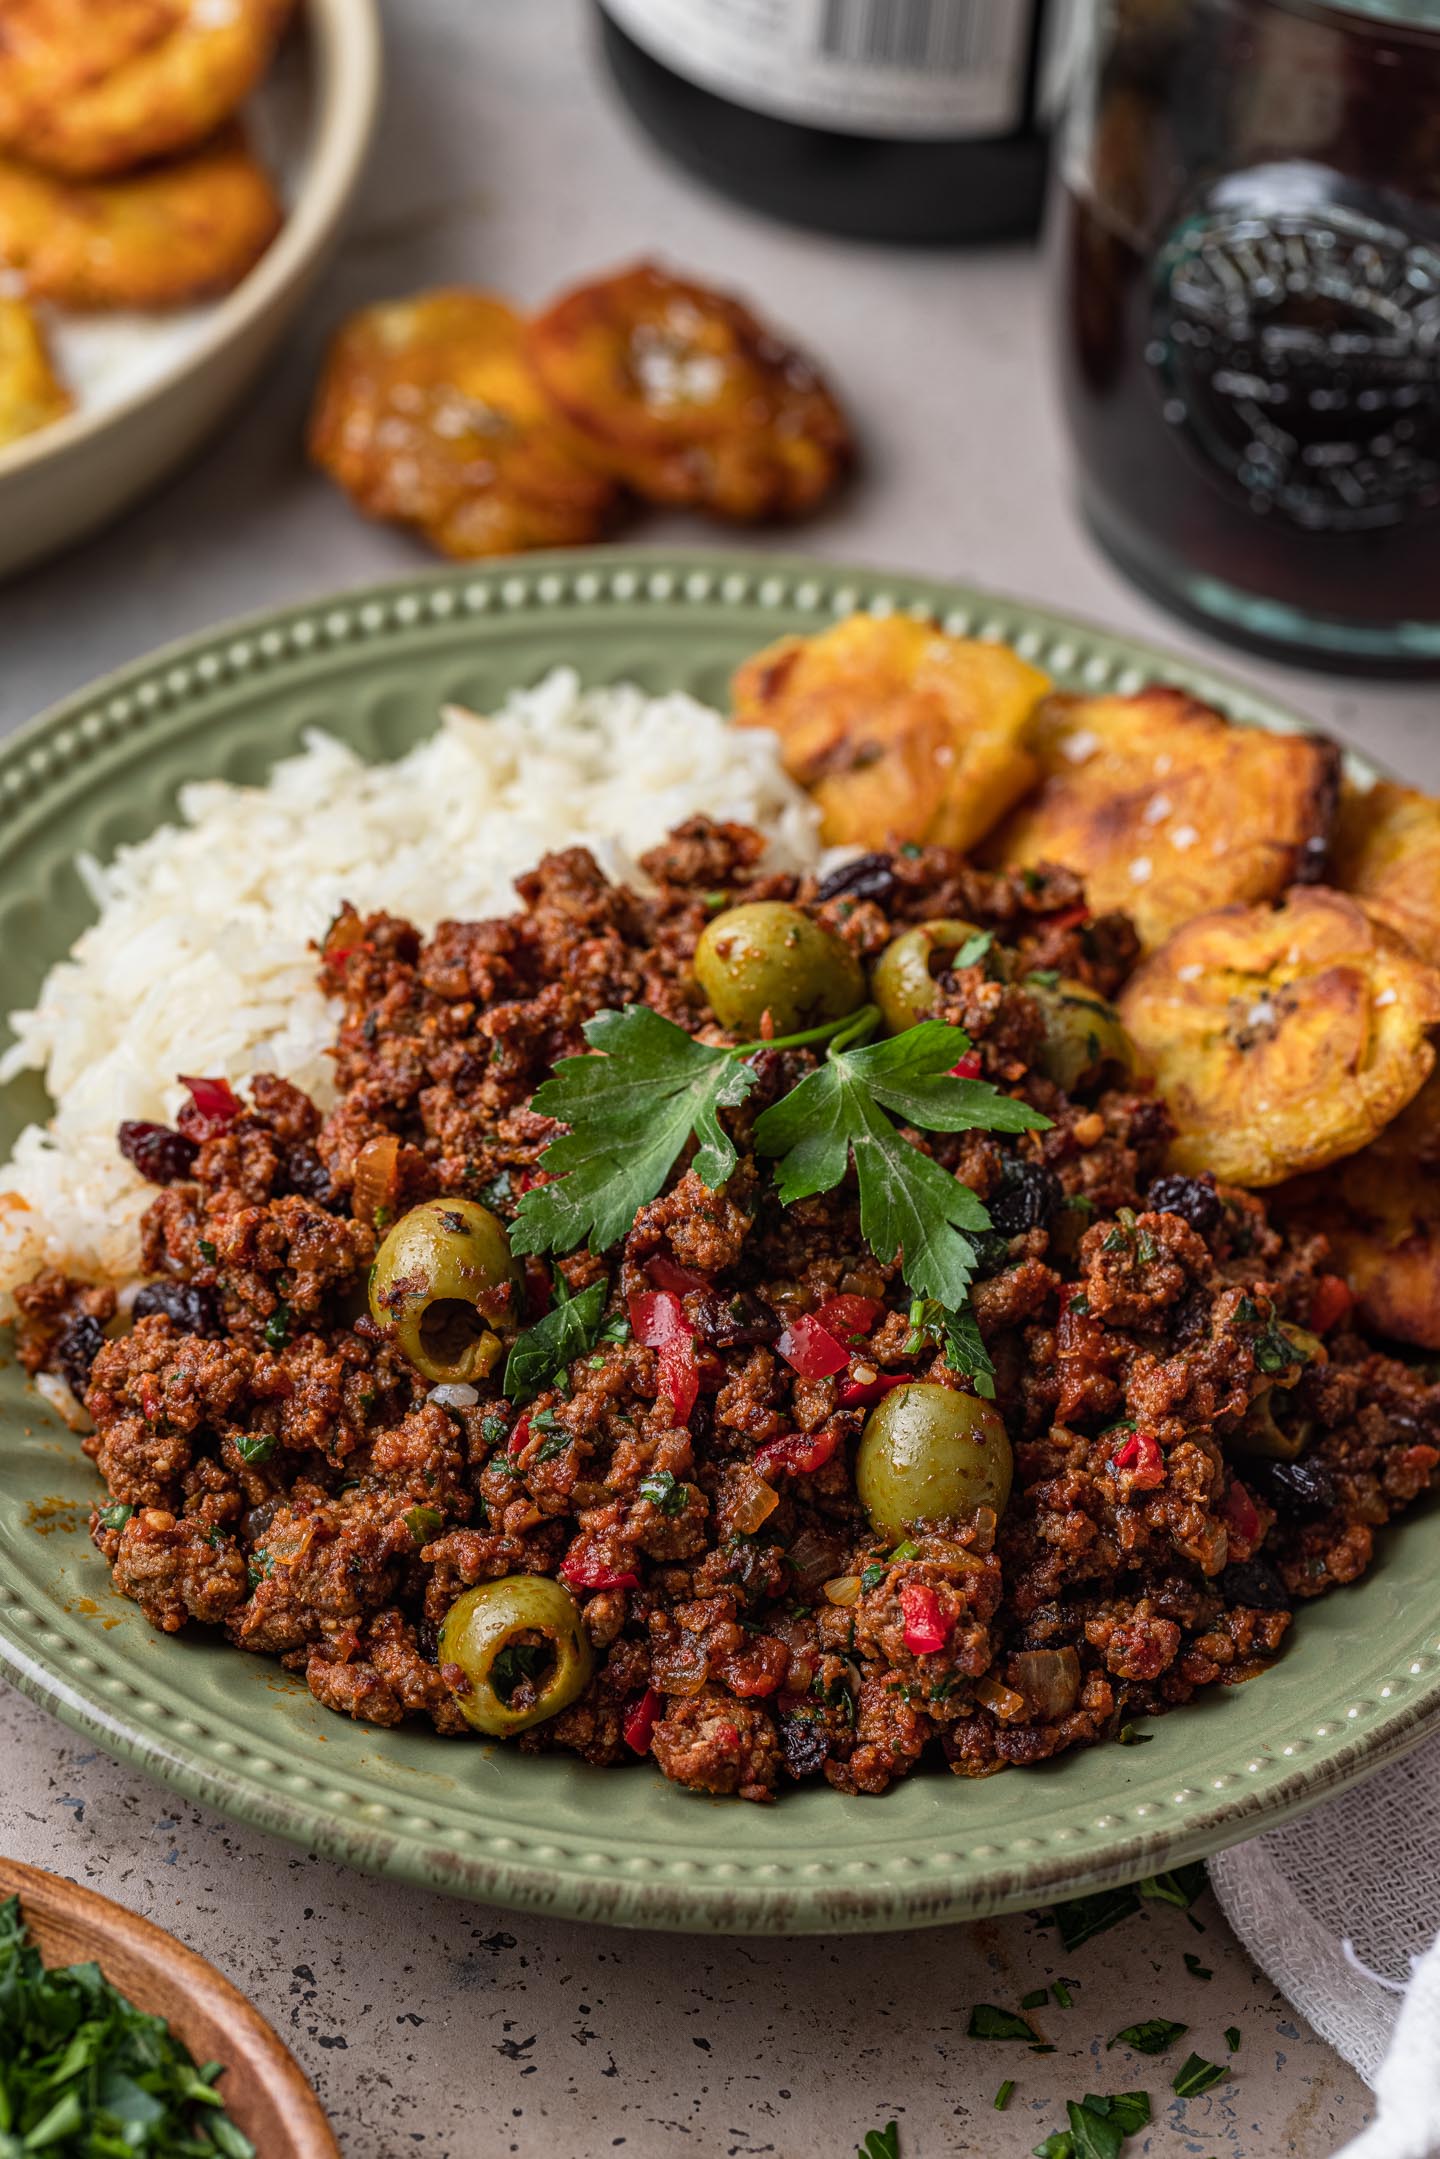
66 479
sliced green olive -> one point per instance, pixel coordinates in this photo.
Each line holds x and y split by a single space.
518 1651
928 1454
445 1280
901 981
770 957
1084 1040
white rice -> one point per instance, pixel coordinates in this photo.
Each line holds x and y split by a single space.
199 961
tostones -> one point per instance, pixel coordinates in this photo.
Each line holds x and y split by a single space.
1168 810
30 394
1387 852
161 238
689 398
89 88
427 413
899 731
1284 1037
1380 1211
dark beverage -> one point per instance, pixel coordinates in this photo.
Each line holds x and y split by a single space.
902 120
1251 351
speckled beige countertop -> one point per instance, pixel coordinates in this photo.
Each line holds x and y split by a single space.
447 2030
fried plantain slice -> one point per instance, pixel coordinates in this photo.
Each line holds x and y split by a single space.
1167 809
173 234
689 398
899 731
1386 851
1380 1210
1283 1037
31 396
89 88
427 413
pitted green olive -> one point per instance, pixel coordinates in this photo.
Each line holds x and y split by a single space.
445 1280
518 1651
1084 1040
928 1454
770 957
902 983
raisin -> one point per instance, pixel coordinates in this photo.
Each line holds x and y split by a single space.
1254 1584
868 877
1294 1487
1028 1197
1194 1199
736 1322
79 1344
306 1174
192 1310
807 1746
160 1153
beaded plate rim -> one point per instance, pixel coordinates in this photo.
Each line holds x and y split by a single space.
901 1882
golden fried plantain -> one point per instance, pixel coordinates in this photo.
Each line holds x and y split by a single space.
89 88
173 234
30 395
427 413
1380 1210
1167 809
899 731
1386 851
1283 1037
689 398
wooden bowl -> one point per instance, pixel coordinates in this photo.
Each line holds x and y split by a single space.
264 2089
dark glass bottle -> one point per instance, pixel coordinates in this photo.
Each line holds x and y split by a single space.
899 120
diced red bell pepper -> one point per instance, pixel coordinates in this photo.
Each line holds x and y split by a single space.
640 1719
799 1452
865 1393
728 1737
811 1348
847 1315
1140 1455
213 1105
657 1319
586 1570
519 1439
1332 1303
667 1273
969 1066
926 1626
1070 918
1239 1512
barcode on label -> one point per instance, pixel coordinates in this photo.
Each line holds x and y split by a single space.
946 37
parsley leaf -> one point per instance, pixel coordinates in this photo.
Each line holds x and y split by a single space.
630 1112
1083 1917
1151 2037
665 1492
881 2144
1195 1968
1232 2037
1130 2109
114 1516
566 1332
1180 1887
1093 2135
908 1203
987 2022
1197 2075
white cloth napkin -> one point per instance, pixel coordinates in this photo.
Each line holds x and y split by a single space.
1342 1910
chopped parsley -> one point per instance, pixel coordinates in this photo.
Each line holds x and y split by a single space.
881 2144
665 1491
987 2022
1195 1968
1099 2126
1197 2075
114 1516
255 1446
423 1522
1152 2037
1180 1887
1130 1736
1232 2038
567 1331
1064 1999
1082 1918
84 2071
207 1251
277 1327
1035 1999
1002 2097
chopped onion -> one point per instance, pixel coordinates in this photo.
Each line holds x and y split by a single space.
455 1394
754 1505
1049 1679
63 1400
374 1181
845 1589
1001 1701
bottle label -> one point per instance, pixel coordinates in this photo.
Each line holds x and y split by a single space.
915 68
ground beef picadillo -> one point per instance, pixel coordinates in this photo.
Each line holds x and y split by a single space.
285 1468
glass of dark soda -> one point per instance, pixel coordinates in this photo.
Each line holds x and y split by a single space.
1246 240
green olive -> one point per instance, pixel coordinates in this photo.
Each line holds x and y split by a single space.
522 1650
902 984
771 957
1084 1040
928 1454
444 1279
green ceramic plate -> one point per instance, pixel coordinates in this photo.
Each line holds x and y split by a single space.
1360 1684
